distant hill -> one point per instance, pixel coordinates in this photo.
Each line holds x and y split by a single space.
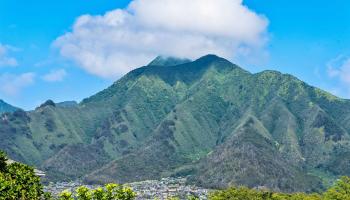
5 107
207 119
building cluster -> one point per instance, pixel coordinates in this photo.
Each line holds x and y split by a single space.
58 187
166 188
150 189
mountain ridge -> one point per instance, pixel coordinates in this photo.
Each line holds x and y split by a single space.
5 107
159 121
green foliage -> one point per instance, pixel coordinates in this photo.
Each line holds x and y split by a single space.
244 193
173 198
47 196
109 192
3 160
98 193
158 119
191 197
83 193
65 195
18 181
241 193
340 191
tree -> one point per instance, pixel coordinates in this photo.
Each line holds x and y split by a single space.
192 197
18 181
109 192
98 193
244 193
65 195
83 193
340 191
3 160
47 196
241 193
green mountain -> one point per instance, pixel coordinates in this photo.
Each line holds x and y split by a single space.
207 119
168 61
5 107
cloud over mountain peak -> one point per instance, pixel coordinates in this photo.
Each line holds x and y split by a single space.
112 44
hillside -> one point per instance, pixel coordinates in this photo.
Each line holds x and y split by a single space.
207 118
5 107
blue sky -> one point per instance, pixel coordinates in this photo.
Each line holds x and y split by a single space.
309 39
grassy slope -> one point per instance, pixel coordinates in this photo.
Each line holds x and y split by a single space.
183 119
285 107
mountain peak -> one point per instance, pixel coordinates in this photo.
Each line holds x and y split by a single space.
210 58
191 119
48 103
168 61
5 107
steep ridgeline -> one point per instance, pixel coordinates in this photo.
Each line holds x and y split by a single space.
5 107
208 119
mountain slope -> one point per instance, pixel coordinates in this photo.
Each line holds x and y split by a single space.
5 107
208 119
250 157
283 105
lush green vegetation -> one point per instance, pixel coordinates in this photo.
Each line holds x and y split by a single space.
340 191
208 119
19 182
109 192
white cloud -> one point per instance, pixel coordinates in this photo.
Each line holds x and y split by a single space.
12 84
55 75
113 44
340 68
5 59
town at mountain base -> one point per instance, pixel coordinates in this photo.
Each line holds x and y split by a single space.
19 181
208 120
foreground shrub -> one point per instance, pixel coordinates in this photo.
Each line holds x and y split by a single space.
340 191
241 193
18 181
244 193
65 195
109 192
